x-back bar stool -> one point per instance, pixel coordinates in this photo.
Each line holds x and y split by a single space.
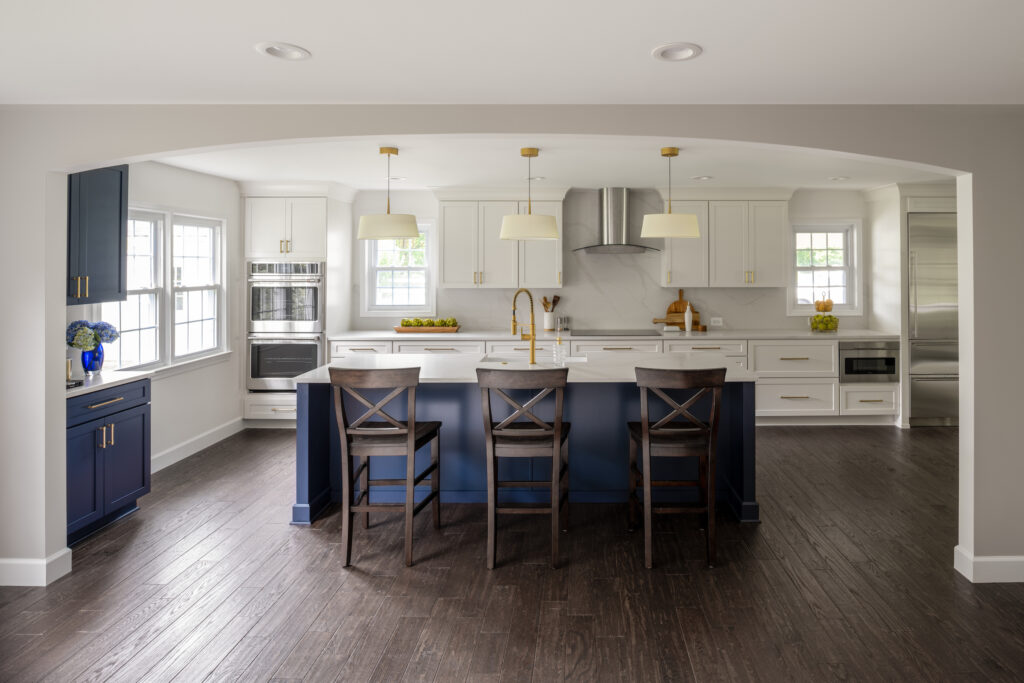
525 435
687 436
364 438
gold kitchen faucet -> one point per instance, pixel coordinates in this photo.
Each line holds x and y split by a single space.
532 336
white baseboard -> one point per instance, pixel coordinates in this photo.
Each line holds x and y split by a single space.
826 421
28 572
989 568
195 444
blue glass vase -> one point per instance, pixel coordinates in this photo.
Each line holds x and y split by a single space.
92 361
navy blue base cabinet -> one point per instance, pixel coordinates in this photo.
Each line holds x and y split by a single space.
108 456
97 235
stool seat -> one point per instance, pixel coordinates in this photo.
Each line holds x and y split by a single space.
378 444
688 435
526 440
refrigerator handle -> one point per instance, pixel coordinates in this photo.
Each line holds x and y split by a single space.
913 290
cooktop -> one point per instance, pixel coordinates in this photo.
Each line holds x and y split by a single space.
616 333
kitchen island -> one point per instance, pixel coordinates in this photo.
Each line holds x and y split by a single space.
600 398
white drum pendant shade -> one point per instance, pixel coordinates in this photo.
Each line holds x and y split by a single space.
387 226
529 227
670 225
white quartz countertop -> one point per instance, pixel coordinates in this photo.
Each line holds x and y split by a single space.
105 380
460 368
503 335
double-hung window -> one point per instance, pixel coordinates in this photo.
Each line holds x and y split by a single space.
175 304
399 277
825 265
137 318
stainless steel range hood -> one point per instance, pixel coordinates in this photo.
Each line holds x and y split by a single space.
613 219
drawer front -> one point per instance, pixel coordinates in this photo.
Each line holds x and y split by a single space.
107 401
729 348
615 345
342 348
777 397
270 407
521 347
868 399
809 359
439 347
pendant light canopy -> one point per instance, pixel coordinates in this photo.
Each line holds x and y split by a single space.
388 226
678 225
528 226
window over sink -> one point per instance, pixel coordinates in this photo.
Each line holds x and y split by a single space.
825 263
399 276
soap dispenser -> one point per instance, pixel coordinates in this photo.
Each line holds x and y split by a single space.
688 317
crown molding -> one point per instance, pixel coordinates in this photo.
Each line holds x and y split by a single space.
749 194
337 191
499 193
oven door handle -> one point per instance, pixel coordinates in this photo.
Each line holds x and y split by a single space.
285 283
283 340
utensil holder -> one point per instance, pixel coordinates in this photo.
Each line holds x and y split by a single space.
549 321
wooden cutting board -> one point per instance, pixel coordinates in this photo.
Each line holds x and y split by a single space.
676 311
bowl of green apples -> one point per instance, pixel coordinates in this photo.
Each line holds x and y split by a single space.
824 322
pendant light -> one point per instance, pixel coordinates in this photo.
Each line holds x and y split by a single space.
681 225
528 226
388 226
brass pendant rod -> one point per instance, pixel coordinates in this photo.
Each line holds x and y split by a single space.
670 184
529 187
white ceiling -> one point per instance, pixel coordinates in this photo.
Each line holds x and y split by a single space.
531 51
442 161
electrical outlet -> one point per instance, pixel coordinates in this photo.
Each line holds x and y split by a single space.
716 322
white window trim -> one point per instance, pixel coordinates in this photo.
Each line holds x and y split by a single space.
856 270
428 228
170 289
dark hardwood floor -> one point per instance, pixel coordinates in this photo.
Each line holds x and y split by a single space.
849 577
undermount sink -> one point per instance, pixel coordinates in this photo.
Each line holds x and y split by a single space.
543 360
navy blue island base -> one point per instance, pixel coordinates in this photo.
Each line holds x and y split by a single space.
598 443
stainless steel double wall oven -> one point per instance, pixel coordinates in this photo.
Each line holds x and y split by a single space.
286 322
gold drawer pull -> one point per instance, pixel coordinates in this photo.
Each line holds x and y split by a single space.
438 348
105 403
283 410
794 397
616 348
707 348
527 348
366 348
871 400
794 358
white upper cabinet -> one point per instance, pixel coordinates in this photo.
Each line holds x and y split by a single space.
540 261
286 227
460 230
748 243
684 262
473 255
499 259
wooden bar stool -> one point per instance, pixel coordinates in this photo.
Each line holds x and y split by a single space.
525 435
671 437
364 438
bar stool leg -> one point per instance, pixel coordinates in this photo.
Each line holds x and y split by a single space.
410 502
564 488
556 487
435 479
492 500
634 512
364 485
711 550
648 508
347 516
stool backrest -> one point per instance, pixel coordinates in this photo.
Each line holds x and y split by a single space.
399 380
704 381
545 381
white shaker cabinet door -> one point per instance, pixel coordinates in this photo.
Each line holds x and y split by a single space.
498 258
728 243
266 227
540 261
768 241
459 244
307 236
684 262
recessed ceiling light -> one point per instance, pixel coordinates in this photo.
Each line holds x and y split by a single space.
702 177
838 177
676 52
283 50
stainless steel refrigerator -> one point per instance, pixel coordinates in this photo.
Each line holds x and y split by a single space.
932 296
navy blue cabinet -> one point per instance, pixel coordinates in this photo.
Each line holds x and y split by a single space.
108 455
97 235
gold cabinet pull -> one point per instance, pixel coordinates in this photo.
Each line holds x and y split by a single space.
105 403
474 277
794 358
111 433
616 348
527 348
481 277
287 246
283 410
794 397
280 246
871 400
752 278
78 287
438 348
559 277
86 286
368 348
103 443
707 348
668 273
